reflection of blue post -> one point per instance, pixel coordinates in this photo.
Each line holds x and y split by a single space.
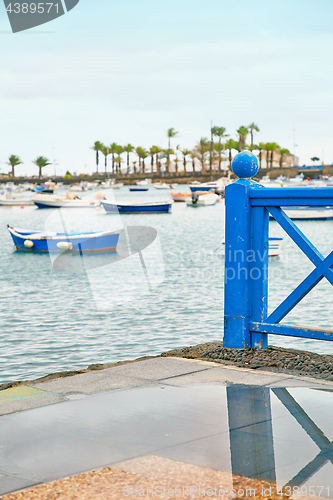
251 434
246 258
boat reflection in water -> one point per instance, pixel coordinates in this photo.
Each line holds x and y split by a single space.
273 438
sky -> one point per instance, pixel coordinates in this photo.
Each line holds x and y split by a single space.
126 71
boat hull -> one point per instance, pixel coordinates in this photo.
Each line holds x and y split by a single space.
116 208
65 204
202 200
16 203
59 243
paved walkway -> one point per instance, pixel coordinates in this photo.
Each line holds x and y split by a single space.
181 410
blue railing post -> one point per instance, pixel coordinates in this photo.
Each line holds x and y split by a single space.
246 258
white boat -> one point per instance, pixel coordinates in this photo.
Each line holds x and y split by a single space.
68 201
143 183
217 186
202 200
108 183
162 185
8 199
78 188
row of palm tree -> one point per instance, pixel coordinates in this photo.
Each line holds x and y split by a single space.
40 162
203 149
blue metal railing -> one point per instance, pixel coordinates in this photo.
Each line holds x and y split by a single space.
248 206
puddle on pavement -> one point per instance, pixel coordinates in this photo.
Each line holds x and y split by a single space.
278 438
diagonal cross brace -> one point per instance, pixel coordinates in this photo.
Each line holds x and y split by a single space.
313 431
300 239
301 291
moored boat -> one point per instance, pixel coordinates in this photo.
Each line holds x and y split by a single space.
181 196
202 200
47 188
162 185
64 201
216 186
7 199
37 241
138 188
137 208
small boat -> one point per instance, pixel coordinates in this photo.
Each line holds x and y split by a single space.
202 200
46 188
162 185
274 246
37 241
79 188
138 189
308 213
7 199
217 186
137 208
181 196
64 201
143 183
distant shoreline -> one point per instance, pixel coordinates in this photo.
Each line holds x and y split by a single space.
179 178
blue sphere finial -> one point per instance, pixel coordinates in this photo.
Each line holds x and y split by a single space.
245 165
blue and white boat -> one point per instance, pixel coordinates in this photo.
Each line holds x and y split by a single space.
46 188
137 208
215 186
37 241
138 188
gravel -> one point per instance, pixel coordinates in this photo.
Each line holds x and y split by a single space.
275 359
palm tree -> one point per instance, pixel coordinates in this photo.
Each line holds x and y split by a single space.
41 162
185 152
168 152
142 154
13 161
113 150
261 147
242 132
230 145
97 147
128 149
105 152
220 133
253 127
171 132
193 155
272 146
154 150
157 150
252 147
119 151
283 151
118 161
314 159
202 148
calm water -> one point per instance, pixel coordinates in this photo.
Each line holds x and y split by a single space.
54 321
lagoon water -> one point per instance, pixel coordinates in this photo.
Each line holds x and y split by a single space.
53 321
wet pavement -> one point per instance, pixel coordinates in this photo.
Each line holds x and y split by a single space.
261 425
